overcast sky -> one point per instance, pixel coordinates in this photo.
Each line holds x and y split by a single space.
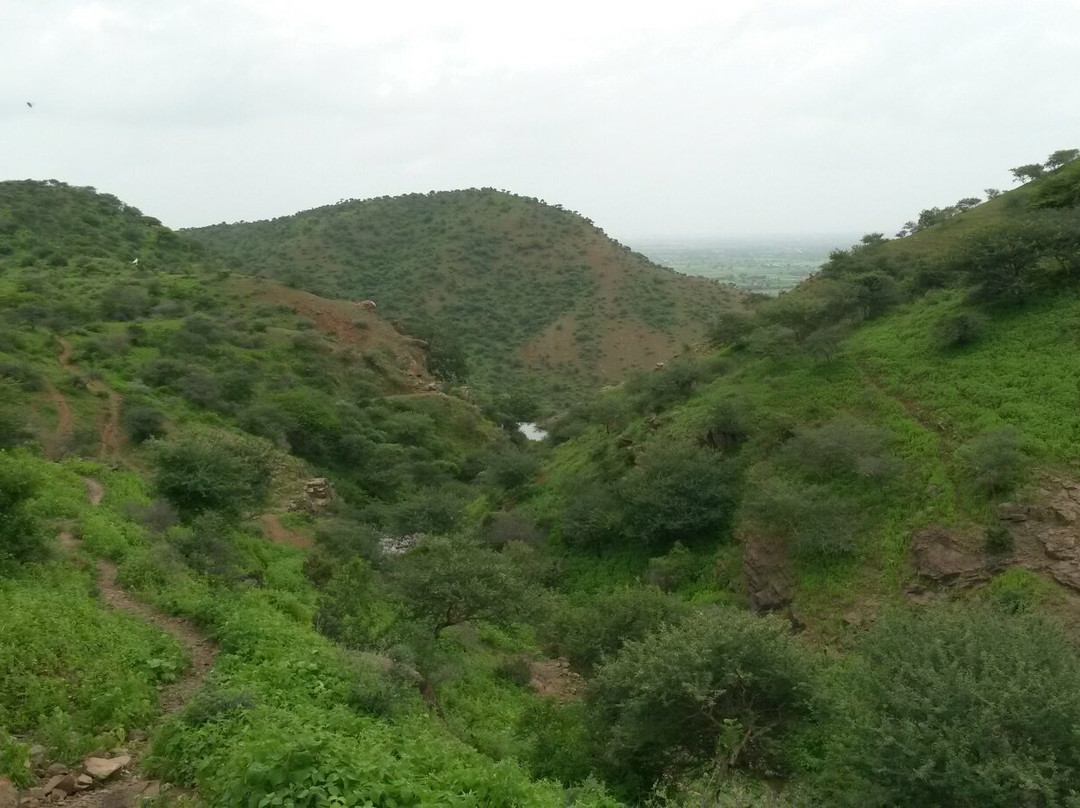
657 119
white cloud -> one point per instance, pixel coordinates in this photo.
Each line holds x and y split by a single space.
682 117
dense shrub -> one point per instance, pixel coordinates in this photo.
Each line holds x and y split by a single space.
446 581
958 330
815 521
958 707
142 422
22 536
720 689
212 472
677 493
843 446
585 630
592 516
995 462
674 569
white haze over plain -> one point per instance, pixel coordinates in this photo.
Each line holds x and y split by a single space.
674 119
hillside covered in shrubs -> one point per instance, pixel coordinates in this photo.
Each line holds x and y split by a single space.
518 297
832 558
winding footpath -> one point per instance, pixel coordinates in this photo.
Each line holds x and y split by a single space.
126 789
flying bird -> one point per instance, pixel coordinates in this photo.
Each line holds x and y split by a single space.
29 105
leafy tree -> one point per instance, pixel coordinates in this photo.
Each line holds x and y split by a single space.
212 472
1026 173
592 517
714 693
677 493
447 581
957 707
967 203
142 422
1061 157
587 629
992 193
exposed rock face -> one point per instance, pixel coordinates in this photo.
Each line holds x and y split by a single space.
317 498
1045 537
940 555
765 571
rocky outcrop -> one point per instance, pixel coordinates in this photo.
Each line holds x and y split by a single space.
97 774
1044 533
942 556
318 496
766 573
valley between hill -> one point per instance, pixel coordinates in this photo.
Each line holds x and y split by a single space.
828 556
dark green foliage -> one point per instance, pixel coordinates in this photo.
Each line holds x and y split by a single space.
1062 190
817 523
958 707
677 493
447 581
842 447
997 539
349 608
22 536
212 472
716 692
585 630
25 376
995 462
731 328
958 329
503 527
592 517
208 545
516 669
142 422
674 569
511 470
656 390
725 426
557 742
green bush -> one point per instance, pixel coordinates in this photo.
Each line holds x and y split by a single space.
22 536
957 707
447 581
817 522
677 493
212 472
719 690
843 446
142 422
995 462
586 629
674 569
958 330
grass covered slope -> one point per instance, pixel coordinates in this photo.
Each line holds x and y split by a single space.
536 296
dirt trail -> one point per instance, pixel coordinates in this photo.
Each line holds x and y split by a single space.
279 534
108 422
126 788
65 423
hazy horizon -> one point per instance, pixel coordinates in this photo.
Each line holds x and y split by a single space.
687 121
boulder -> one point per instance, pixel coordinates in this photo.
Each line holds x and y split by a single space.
104 768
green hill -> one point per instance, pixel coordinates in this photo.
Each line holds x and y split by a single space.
830 558
900 432
537 297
